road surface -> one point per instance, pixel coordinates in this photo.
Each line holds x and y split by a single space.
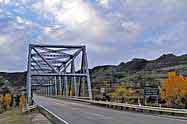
83 113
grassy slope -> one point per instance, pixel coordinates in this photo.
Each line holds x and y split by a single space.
14 117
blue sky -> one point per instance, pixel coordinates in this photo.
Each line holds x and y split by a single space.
113 30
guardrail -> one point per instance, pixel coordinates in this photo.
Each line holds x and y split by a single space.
30 108
131 107
51 116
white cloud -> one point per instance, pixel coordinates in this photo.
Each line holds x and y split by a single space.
47 5
19 19
174 35
104 3
5 1
75 13
173 3
13 51
132 27
54 32
79 18
3 40
22 24
107 27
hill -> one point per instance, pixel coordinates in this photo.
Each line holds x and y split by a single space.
135 73
138 72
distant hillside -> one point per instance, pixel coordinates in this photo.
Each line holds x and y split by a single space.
134 73
138 71
16 79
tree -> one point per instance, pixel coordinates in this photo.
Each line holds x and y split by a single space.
122 93
2 80
173 88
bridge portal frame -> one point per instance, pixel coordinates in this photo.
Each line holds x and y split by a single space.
51 62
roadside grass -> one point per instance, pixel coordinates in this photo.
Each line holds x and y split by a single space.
14 116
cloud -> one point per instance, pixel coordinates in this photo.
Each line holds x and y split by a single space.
132 27
3 40
11 52
112 30
104 3
4 1
172 36
74 12
76 16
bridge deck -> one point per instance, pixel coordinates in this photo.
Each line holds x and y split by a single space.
82 113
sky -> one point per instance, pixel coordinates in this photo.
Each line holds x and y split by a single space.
113 31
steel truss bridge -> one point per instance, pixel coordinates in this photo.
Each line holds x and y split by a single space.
58 70
62 71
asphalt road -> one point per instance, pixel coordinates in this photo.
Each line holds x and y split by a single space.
83 113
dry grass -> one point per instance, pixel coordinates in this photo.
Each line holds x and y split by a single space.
14 117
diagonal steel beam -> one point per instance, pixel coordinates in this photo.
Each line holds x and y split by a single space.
57 51
47 50
70 60
36 63
45 61
34 68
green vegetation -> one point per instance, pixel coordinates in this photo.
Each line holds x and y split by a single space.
15 79
2 80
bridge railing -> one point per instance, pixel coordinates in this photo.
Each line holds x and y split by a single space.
51 116
132 107
123 106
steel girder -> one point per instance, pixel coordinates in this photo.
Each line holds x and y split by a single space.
51 70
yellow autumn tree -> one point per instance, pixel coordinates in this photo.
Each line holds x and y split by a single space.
1 102
7 100
122 91
1 99
172 87
22 102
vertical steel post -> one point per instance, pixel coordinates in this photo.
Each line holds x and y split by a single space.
55 86
60 85
66 84
83 71
46 91
29 85
87 73
70 88
73 79
51 88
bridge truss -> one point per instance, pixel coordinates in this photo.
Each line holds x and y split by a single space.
58 70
